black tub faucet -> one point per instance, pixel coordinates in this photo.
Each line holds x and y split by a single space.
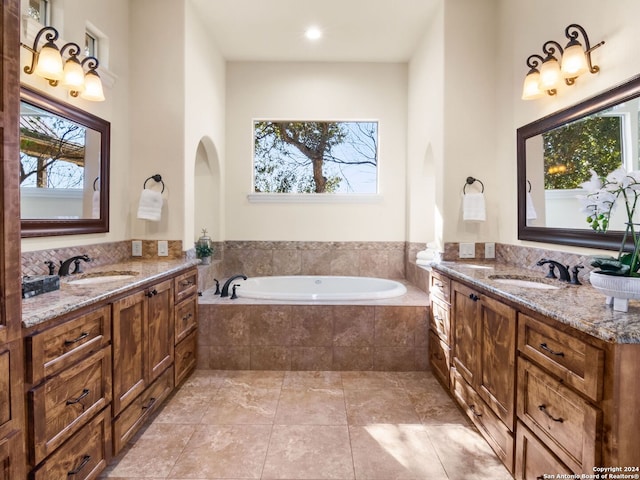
64 266
225 287
563 270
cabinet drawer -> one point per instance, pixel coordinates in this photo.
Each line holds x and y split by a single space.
63 404
562 419
439 319
577 363
186 285
439 286
533 459
84 456
132 417
490 426
439 358
50 351
186 356
186 318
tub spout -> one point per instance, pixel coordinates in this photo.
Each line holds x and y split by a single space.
225 287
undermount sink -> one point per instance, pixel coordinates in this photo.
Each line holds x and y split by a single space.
525 282
100 277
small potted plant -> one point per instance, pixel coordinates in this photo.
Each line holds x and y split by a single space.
204 250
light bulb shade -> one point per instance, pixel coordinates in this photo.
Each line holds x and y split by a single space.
531 88
550 76
574 61
49 64
92 87
73 75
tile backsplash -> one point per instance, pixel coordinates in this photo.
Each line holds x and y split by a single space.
33 263
256 258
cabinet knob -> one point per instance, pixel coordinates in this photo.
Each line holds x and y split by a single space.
80 337
543 409
474 297
83 463
151 293
73 401
473 410
552 352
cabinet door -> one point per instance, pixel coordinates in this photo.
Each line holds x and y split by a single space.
160 331
11 457
496 349
129 365
464 304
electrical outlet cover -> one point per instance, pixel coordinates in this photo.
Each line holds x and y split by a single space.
163 248
136 248
467 250
489 250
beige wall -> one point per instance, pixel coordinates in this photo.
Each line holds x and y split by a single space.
451 112
112 19
320 91
204 133
524 26
425 135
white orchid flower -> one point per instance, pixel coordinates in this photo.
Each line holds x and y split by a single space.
594 184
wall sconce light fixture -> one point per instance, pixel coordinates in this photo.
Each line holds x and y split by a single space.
547 73
47 63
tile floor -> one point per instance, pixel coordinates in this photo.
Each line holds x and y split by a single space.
308 425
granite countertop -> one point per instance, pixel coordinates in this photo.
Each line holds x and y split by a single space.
47 306
580 306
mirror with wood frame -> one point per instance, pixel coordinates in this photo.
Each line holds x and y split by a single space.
64 168
557 153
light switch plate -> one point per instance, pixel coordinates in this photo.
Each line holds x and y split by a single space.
489 250
163 248
136 248
467 250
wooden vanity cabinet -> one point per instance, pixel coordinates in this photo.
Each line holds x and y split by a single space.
186 324
68 373
12 461
142 341
577 401
12 446
483 365
439 326
143 352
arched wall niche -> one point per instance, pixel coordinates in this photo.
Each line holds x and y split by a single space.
207 191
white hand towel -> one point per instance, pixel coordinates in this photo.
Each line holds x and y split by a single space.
425 254
95 204
473 207
531 211
150 207
428 257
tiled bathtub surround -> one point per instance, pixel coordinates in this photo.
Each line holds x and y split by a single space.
247 335
368 259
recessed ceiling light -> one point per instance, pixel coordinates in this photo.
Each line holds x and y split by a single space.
313 33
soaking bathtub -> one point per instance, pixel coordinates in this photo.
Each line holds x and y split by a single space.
319 288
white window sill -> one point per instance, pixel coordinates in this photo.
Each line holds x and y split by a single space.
313 198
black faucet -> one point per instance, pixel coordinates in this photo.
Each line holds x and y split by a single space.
64 266
51 266
562 269
225 287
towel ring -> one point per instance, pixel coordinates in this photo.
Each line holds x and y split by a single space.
94 184
158 178
529 182
471 180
